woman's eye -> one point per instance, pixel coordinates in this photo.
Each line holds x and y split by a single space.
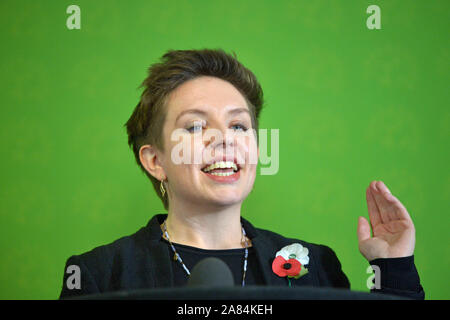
195 128
239 127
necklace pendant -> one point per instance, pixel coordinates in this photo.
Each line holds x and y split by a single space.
175 258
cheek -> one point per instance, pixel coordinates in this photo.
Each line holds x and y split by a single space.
247 151
184 178
252 174
186 150
178 160
197 150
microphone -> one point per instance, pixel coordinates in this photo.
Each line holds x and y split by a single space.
211 272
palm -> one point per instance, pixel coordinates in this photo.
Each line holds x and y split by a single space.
392 227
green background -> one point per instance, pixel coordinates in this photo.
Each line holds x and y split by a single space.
352 105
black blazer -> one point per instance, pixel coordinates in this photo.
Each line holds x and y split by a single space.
142 260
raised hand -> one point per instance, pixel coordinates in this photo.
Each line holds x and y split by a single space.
393 230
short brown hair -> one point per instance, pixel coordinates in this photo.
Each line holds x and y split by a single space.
176 67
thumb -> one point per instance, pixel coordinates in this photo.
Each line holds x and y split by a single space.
363 229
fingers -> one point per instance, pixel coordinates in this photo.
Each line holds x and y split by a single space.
399 209
384 201
389 207
374 213
363 229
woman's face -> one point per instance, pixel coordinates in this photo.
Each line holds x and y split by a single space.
210 150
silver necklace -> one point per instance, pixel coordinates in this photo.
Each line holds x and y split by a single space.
176 256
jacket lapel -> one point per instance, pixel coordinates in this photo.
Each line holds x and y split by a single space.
265 253
161 263
266 248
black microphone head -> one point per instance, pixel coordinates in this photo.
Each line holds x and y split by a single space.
211 272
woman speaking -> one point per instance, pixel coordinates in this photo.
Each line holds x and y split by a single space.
211 103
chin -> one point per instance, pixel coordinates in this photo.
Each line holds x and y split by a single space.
226 199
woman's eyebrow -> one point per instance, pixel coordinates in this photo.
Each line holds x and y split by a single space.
238 110
193 111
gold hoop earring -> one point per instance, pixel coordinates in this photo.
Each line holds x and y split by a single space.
161 188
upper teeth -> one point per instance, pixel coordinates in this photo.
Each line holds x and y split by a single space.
221 164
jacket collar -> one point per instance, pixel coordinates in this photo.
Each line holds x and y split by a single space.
162 266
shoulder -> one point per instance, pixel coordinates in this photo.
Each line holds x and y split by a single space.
120 264
104 256
126 247
280 241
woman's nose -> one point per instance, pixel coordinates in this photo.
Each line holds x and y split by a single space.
219 137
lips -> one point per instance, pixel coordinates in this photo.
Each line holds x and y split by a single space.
224 164
234 176
222 170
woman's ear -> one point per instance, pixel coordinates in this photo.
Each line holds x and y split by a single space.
149 158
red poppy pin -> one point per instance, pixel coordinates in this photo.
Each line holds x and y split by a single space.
290 261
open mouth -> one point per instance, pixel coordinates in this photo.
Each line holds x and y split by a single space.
222 168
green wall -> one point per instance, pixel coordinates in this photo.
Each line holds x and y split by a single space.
352 105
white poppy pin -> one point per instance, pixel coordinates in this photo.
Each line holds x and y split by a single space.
290 261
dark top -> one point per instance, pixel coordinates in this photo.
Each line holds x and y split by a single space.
234 258
143 260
